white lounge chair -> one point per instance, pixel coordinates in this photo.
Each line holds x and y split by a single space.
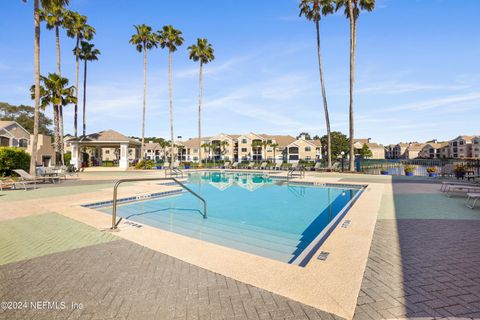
474 197
447 184
263 166
234 165
278 165
251 165
7 183
462 188
26 178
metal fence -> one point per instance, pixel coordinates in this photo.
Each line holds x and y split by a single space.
397 166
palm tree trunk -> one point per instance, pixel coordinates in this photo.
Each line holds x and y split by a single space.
56 131
144 99
200 116
36 62
324 95
171 107
60 108
84 95
352 79
75 119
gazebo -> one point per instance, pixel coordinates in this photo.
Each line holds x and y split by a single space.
98 141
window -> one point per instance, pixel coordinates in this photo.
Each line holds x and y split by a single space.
244 149
107 151
195 150
195 158
4 142
308 158
23 143
461 142
244 140
307 149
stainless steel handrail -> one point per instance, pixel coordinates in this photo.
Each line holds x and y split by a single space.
118 182
292 170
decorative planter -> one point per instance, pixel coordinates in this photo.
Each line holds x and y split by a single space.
432 174
409 174
385 173
187 167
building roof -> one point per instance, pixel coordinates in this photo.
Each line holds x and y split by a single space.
106 136
152 146
282 141
416 146
5 123
437 145
16 131
193 142
363 140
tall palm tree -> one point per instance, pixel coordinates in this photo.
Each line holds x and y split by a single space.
265 144
224 144
352 11
313 10
87 53
53 13
203 52
274 146
77 28
54 91
144 40
207 146
170 38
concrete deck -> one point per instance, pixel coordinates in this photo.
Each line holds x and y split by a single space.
442 227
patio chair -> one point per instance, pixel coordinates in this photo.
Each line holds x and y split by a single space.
474 197
278 165
26 178
462 188
227 165
316 167
234 165
447 184
251 165
263 166
47 173
7 183
295 164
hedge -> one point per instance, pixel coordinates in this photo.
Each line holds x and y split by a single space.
12 158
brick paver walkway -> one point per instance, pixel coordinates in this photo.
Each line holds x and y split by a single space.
430 269
123 280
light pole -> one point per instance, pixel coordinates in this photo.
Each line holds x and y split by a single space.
343 157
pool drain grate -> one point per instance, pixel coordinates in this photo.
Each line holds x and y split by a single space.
323 255
346 223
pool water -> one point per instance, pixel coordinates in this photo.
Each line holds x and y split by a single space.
248 212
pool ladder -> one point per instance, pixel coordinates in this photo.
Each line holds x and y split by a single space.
173 172
291 172
120 181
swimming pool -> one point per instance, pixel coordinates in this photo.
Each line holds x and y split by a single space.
250 212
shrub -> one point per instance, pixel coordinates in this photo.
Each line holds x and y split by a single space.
431 169
67 157
409 168
459 168
147 164
13 158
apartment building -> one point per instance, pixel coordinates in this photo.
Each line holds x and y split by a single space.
434 150
250 147
476 147
378 150
12 134
461 147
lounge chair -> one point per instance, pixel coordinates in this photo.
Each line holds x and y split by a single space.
227 165
278 165
447 184
251 165
26 178
317 167
462 188
263 166
474 197
7 183
295 164
234 165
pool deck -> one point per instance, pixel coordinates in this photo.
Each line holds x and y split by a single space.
408 252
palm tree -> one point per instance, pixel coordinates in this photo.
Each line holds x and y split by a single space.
224 144
274 146
313 10
352 11
55 91
87 53
53 13
77 28
142 40
203 52
265 144
206 147
170 38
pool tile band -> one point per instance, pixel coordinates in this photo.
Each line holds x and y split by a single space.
132 199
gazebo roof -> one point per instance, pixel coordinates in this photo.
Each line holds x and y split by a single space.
105 137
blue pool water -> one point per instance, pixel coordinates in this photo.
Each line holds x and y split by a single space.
248 212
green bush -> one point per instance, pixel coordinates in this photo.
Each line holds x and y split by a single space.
67 157
13 158
147 164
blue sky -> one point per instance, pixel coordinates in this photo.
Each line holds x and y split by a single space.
417 71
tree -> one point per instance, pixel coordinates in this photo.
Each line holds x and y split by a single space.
77 28
25 116
352 12
340 143
207 146
87 53
306 134
170 38
313 10
265 144
224 144
53 13
365 152
144 40
203 52
56 92
274 146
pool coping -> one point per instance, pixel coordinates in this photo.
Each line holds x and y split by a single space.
331 285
